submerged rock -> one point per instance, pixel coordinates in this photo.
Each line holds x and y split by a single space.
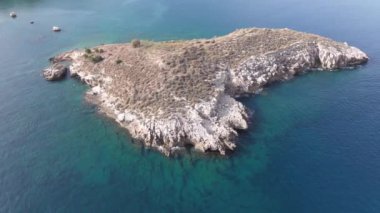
170 95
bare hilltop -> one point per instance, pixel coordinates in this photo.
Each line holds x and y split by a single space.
175 94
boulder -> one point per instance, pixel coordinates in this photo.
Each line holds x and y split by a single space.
121 117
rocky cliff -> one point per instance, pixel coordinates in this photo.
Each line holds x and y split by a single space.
175 94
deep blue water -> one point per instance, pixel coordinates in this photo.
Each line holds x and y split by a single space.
313 145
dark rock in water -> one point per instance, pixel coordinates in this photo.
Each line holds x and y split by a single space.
55 72
54 60
32 22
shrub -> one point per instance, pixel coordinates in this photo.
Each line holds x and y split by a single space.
119 61
99 50
136 43
97 59
88 51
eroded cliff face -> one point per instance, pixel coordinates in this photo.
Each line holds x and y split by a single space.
173 94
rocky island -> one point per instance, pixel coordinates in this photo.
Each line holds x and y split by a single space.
175 94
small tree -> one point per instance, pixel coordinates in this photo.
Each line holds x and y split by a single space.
88 51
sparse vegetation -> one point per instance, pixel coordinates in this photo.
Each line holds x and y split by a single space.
90 56
166 76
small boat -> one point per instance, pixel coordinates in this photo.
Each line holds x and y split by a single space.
13 14
56 29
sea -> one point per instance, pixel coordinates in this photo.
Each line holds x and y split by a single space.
313 145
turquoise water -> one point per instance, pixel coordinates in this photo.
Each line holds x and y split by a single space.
313 144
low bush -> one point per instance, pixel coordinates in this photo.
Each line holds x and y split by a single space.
136 43
99 50
96 59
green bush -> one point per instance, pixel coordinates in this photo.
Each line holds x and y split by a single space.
88 51
119 61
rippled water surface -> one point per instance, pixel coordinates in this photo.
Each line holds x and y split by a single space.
313 145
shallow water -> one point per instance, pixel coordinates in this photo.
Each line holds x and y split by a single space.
313 144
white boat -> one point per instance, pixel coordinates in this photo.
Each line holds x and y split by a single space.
56 29
13 14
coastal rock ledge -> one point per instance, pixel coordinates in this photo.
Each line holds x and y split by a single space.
176 94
